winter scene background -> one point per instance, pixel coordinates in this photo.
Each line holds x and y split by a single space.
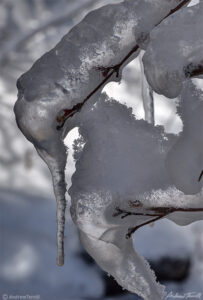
28 29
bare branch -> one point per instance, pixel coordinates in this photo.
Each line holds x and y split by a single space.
200 176
132 230
183 3
124 213
158 212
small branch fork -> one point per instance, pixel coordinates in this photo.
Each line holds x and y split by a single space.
156 212
107 73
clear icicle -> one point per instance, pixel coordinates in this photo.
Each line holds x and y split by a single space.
147 96
58 177
36 123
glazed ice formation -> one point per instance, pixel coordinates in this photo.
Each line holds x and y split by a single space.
185 159
174 55
121 177
121 170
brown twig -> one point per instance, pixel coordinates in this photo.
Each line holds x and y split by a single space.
200 176
124 213
108 73
132 230
160 212
183 3
175 209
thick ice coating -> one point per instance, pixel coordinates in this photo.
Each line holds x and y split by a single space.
68 73
185 159
175 51
121 181
122 158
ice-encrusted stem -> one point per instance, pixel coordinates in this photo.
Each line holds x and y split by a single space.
108 72
121 260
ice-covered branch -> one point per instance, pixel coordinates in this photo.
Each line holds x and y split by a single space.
156 212
67 76
111 70
129 160
114 169
175 51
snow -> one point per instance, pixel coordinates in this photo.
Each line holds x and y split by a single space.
185 159
172 54
144 145
105 178
70 71
125 164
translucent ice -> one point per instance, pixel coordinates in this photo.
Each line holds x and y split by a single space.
175 51
121 181
65 76
185 159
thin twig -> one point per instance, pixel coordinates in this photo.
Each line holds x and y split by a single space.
160 212
200 176
124 213
183 3
132 230
163 212
175 209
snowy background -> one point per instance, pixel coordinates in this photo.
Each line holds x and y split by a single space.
28 28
